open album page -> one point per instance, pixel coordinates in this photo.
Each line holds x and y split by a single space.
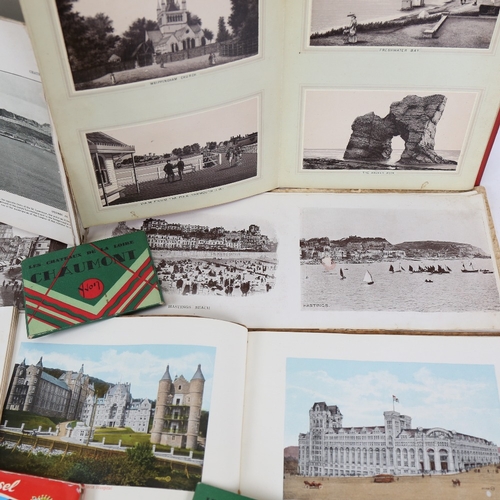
162 107
394 95
330 260
372 416
130 406
34 194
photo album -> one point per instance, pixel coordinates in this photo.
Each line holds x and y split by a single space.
168 106
272 415
317 257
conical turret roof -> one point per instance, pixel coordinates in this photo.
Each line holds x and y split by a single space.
198 374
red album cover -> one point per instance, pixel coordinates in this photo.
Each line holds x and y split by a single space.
494 132
15 486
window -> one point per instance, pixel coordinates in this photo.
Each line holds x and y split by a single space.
100 170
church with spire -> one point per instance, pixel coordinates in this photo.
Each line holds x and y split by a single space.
178 410
36 391
174 33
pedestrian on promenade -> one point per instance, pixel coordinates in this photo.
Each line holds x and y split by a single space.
230 156
169 172
180 168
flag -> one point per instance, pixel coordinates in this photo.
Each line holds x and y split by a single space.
395 399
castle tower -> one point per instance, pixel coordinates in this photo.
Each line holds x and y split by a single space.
162 400
13 402
196 387
33 376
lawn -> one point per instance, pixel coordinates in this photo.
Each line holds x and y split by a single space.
30 420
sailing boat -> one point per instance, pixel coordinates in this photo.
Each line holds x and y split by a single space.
342 277
470 269
368 278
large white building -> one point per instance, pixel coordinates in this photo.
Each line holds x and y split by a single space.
329 449
174 32
118 409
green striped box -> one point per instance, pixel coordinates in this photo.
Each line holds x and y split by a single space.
89 282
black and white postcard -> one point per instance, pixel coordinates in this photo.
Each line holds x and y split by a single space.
176 157
424 264
114 42
15 246
385 130
459 24
330 261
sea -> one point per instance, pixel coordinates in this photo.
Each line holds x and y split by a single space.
400 291
31 172
338 154
328 14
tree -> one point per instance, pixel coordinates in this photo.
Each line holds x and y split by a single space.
209 34
73 28
134 36
195 148
203 423
193 19
244 18
223 33
89 40
177 151
142 455
186 150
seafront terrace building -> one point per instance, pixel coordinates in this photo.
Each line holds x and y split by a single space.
329 449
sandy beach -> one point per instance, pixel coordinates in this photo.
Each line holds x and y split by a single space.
473 486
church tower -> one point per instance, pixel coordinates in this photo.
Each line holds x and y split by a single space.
171 17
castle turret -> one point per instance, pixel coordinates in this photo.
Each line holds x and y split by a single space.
20 373
196 387
164 389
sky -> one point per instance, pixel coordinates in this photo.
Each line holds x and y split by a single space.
142 366
396 226
456 397
219 216
329 115
124 12
23 96
213 125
